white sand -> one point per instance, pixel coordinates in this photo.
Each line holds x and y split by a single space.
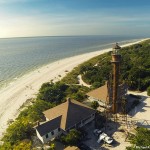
13 96
142 111
81 82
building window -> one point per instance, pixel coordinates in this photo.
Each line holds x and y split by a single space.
46 135
58 129
52 132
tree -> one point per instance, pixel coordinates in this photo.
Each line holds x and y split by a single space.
95 105
6 146
23 145
52 146
140 140
53 93
34 112
96 84
17 131
148 91
79 96
72 138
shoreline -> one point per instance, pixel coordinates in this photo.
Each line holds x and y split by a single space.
13 96
4 83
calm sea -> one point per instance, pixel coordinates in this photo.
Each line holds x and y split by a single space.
19 56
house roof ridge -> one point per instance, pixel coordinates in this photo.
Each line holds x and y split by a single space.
71 111
49 125
64 118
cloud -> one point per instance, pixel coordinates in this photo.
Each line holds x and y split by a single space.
12 1
35 24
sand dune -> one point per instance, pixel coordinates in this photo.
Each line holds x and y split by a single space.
13 96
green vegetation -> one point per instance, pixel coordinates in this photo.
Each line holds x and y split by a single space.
58 92
72 77
95 105
97 71
52 146
51 92
24 145
91 73
141 140
18 131
50 95
148 91
34 112
72 138
77 92
135 68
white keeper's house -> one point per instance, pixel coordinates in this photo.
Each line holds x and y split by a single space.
62 118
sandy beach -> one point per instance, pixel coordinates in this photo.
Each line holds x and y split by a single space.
26 87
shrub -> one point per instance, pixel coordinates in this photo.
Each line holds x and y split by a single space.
148 91
23 145
18 131
72 138
95 105
53 93
141 139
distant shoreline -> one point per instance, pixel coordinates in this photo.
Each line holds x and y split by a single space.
58 36
26 87
24 55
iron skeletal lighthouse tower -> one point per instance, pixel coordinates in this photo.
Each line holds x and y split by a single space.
116 59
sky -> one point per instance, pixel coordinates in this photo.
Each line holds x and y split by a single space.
24 18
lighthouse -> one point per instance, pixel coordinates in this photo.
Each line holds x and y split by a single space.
116 59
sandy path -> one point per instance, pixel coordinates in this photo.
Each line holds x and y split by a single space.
81 82
12 97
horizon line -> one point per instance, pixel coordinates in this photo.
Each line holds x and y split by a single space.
70 36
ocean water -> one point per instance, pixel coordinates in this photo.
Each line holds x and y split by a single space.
19 56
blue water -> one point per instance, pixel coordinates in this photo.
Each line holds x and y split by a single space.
19 56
